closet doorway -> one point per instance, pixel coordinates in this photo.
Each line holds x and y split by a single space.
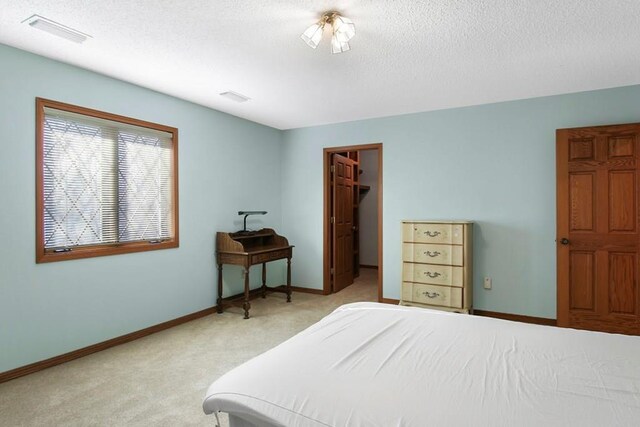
352 215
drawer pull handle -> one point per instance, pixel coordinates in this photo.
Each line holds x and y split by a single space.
432 275
431 294
432 254
432 234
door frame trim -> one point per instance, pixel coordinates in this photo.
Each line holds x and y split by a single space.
562 207
326 268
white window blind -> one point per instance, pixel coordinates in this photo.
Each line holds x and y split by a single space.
104 181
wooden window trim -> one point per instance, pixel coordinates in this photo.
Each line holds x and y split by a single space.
43 255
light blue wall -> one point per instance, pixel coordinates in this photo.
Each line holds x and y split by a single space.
226 164
493 164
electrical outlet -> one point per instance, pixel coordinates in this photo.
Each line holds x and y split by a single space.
487 282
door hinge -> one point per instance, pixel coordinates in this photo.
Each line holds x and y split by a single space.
333 168
332 271
333 219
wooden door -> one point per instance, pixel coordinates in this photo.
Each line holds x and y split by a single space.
342 221
598 227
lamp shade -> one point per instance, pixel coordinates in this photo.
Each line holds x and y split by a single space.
337 46
313 34
343 28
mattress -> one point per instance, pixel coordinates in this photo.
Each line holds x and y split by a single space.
369 364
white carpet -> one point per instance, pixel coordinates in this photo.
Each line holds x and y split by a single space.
160 380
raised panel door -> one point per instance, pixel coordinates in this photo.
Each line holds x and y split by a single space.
343 224
597 226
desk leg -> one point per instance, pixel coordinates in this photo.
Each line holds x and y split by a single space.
246 305
288 279
219 301
264 280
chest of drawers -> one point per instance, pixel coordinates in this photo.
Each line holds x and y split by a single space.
437 265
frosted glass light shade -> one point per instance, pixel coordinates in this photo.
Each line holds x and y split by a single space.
343 28
337 46
313 35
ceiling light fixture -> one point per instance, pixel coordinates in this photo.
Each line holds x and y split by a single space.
235 96
57 29
343 30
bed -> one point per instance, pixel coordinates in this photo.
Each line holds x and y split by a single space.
369 364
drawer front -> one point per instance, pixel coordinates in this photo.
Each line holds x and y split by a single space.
269 256
432 233
435 274
443 296
435 254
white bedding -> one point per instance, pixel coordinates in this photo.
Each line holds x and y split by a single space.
369 364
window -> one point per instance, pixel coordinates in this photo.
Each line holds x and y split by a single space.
106 184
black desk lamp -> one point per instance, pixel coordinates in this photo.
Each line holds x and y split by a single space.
246 214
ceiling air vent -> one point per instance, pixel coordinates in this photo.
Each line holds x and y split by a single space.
235 96
52 27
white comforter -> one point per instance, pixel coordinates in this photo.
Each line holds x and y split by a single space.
370 364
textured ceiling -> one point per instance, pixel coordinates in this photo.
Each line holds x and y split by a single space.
407 55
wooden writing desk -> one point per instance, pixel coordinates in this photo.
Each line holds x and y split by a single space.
247 248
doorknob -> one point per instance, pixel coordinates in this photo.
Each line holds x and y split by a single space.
564 241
